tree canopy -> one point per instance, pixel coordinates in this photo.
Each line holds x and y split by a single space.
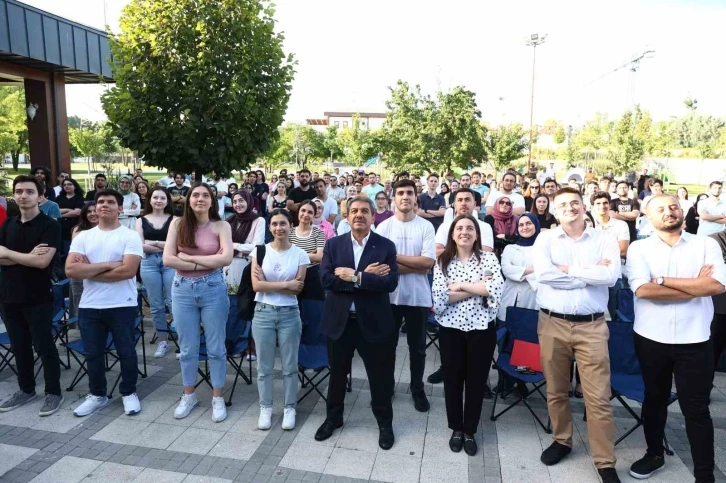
13 127
200 86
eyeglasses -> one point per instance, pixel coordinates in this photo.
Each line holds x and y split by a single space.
571 204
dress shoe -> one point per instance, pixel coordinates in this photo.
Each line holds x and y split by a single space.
457 441
608 475
326 430
470 446
555 453
386 438
436 377
488 392
420 402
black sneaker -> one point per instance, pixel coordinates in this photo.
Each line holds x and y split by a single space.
608 475
554 454
488 392
646 466
436 377
420 402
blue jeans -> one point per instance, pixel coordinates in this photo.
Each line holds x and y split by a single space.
157 279
197 302
95 324
270 325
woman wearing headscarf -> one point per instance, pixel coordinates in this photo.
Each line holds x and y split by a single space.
321 222
248 231
541 209
520 286
503 223
132 202
692 215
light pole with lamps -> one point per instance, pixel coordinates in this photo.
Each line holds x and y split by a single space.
533 40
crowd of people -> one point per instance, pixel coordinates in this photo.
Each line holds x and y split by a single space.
371 258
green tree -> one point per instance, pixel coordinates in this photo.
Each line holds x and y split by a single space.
506 144
559 135
331 143
357 143
13 127
693 130
627 143
200 85
88 142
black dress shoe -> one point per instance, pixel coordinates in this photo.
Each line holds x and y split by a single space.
608 475
326 430
386 438
555 453
457 441
488 392
436 377
470 446
420 402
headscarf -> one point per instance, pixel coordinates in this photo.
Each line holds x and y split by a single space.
504 223
131 182
317 221
241 223
528 242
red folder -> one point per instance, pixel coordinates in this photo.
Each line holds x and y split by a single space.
526 354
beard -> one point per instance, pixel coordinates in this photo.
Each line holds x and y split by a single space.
676 226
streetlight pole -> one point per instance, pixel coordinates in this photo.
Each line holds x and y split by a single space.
533 40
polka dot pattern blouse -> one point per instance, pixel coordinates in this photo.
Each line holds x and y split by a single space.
472 313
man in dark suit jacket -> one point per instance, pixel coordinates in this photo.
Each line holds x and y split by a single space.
358 273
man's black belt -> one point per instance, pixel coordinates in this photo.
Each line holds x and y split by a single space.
574 318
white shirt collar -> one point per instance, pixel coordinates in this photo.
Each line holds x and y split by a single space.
355 242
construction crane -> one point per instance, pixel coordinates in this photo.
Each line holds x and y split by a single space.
632 65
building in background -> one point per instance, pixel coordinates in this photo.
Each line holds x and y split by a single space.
368 120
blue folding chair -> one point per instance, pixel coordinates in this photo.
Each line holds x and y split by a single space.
111 351
238 339
61 322
6 353
313 351
626 378
78 351
521 324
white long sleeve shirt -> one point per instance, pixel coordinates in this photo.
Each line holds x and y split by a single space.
519 290
584 289
674 322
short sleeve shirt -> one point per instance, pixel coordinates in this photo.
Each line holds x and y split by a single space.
297 195
73 203
619 206
176 191
101 246
426 202
21 284
280 267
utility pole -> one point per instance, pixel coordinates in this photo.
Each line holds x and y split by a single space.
534 40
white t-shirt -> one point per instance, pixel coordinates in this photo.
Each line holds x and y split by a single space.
330 207
166 181
618 228
336 193
710 207
487 237
108 246
415 238
280 267
516 199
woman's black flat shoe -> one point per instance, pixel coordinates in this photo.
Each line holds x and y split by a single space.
457 441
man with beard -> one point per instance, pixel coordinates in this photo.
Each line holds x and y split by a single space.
625 209
179 194
575 266
509 182
673 275
99 183
42 173
334 191
300 194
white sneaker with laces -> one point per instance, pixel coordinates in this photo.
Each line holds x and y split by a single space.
288 420
132 405
91 405
265 420
219 409
161 349
187 403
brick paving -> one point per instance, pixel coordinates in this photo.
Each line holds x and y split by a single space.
152 446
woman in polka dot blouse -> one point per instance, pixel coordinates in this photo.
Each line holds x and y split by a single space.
467 291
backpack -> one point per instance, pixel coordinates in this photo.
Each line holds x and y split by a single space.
245 293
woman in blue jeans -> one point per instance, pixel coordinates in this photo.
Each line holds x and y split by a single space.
278 281
199 244
153 227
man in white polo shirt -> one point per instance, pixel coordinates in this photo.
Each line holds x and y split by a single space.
415 255
509 182
673 275
712 212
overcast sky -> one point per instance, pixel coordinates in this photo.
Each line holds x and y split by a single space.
349 52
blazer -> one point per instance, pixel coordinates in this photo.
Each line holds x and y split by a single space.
371 297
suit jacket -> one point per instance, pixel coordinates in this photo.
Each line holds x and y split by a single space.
371 298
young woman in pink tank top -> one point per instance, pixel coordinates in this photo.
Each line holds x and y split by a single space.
198 245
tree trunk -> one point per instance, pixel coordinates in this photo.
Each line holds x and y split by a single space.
198 175
15 155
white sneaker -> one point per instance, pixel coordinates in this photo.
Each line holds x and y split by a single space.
251 357
187 403
178 356
265 420
131 404
219 409
161 348
91 405
288 420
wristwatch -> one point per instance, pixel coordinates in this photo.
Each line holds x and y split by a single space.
354 278
660 280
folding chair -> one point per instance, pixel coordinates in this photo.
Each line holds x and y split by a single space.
6 353
111 352
78 351
238 339
432 333
313 351
626 378
521 324
61 320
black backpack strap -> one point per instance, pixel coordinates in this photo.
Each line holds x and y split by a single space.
261 250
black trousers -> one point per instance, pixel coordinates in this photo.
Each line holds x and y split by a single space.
378 358
466 358
718 336
692 367
416 336
31 325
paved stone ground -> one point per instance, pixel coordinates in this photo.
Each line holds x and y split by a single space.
154 447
